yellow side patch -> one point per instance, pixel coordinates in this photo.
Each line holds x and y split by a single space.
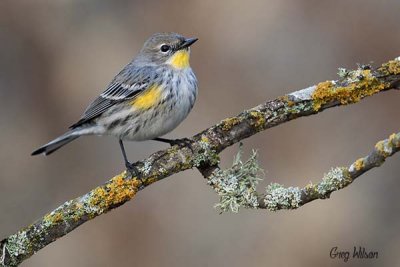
180 59
148 98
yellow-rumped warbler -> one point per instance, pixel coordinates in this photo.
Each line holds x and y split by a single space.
150 97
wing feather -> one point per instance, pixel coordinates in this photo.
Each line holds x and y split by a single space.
126 85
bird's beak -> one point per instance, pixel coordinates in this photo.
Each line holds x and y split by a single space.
188 42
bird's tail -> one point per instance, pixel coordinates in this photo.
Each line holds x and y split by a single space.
57 143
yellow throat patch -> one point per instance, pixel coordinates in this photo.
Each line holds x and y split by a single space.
180 59
147 99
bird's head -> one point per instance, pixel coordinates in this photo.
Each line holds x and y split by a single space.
167 48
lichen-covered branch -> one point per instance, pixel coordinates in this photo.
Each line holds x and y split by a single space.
236 186
278 197
202 152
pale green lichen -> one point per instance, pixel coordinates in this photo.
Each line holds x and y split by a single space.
17 244
337 178
298 108
343 73
206 154
236 186
71 210
279 197
162 171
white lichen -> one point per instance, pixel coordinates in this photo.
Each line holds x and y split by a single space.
353 76
279 197
146 167
17 244
387 148
304 94
342 72
236 186
206 154
335 179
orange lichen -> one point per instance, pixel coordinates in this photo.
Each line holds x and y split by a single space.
359 164
54 217
227 124
323 94
285 98
392 67
362 84
118 190
204 139
258 117
380 148
394 140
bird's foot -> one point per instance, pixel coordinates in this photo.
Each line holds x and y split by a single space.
176 142
134 171
180 142
184 142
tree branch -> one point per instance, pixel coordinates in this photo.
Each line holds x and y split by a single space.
202 152
236 186
278 197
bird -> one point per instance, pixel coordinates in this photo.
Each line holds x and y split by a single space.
147 99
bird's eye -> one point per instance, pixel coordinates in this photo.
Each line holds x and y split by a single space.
165 48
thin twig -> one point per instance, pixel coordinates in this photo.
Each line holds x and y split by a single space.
279 197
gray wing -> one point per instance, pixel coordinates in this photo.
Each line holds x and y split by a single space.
126 85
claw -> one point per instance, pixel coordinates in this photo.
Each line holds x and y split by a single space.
180 142
134 171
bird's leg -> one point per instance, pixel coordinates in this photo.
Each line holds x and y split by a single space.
173 142
129 166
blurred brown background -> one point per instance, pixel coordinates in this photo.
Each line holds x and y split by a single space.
57 56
